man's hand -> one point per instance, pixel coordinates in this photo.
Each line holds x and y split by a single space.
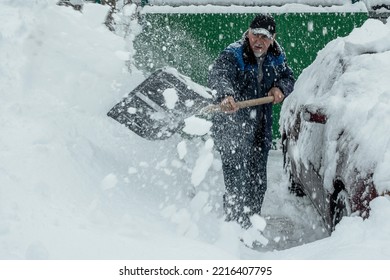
277 94
228 105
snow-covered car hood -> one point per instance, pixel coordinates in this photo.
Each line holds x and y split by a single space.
349 81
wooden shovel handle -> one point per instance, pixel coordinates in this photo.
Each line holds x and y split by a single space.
255 102
240 104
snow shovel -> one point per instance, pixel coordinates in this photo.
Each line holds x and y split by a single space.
157 108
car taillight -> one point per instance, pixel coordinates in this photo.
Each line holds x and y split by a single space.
316 117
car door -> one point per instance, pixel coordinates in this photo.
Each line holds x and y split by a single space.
313 150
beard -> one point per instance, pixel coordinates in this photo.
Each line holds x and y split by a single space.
259 53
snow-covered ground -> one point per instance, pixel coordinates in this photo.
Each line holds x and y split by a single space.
75 184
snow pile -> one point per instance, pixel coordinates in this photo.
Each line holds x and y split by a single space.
73 182
355 93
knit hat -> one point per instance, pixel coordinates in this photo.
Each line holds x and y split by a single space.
263 24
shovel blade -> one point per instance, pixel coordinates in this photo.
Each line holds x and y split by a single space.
157 108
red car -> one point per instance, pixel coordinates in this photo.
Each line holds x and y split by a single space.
335 126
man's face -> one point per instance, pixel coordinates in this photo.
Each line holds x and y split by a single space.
259 43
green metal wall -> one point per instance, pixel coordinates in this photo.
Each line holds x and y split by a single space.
190 42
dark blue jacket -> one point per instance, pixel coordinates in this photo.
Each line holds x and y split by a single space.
235 73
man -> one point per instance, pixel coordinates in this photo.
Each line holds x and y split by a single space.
250 68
